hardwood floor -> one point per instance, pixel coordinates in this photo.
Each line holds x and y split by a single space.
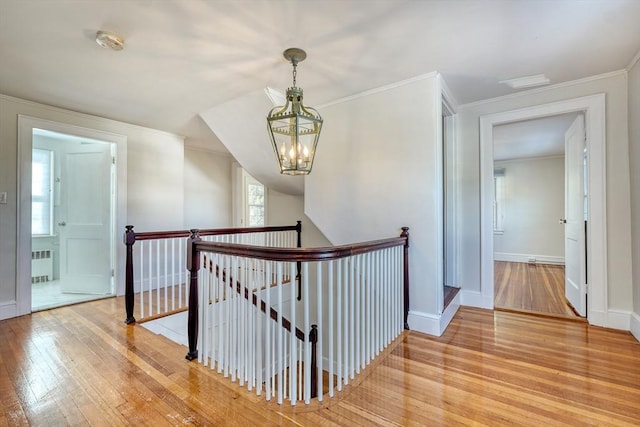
533 288
80 365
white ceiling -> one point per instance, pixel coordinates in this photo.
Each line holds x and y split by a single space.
183 57
531 138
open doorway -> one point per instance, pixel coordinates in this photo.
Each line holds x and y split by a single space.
530 193
593 107
80 223
72 219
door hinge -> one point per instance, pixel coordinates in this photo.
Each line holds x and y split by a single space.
113 160
113 273
586 288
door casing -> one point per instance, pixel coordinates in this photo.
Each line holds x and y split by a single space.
594 109
26 124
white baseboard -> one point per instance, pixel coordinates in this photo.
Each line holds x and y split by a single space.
433 324
8 310
424 322
476 299
539 259
635 325
618 319
449 312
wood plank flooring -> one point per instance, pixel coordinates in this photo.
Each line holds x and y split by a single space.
80 365
533 288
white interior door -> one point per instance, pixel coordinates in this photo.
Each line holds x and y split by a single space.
84 224
574 239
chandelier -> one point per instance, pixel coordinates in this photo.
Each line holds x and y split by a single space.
294 128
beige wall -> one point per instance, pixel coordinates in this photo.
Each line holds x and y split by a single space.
207 189
285 209
533 203
634 163
155 180
614 86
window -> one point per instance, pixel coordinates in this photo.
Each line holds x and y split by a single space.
498 201
254 202
255 205
41 192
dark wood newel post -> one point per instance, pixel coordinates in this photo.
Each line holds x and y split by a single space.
129 240
405 234
193 262
299 264
313 338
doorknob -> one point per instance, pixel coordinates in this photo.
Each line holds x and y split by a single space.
563 221
62 224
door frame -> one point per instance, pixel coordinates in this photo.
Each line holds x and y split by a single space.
594 110
26 124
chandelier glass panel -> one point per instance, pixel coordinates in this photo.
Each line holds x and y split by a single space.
294 128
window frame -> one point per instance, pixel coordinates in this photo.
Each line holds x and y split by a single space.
47 199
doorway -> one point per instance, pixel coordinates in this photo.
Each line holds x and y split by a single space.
594 110
72 208
528 213
69 245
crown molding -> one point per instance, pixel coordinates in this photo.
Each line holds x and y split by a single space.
380 89
633 62
544 89
87 116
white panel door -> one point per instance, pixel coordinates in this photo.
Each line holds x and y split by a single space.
84 224
574 238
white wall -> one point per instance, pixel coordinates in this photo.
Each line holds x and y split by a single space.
617 178
207 189
378 168
634 163
533 203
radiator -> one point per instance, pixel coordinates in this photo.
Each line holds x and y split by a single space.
41 266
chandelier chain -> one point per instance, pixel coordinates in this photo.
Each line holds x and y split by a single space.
295 72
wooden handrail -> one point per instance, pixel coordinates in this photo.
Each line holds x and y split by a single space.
154 235
130 237
299 254
273 313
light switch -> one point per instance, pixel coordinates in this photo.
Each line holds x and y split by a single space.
3 197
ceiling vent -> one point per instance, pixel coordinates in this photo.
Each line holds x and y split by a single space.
528 81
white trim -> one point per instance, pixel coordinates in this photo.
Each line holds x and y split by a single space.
23 250
8 310
527 93
633 62
619 319
207 150
594 108
438 204
539 259
476 299
424 322
449 312
635 325
379 89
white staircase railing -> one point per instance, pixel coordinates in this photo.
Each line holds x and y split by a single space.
293 324
156 272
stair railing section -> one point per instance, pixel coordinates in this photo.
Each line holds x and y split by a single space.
156 273
246 319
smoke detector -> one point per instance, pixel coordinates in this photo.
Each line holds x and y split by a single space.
110 40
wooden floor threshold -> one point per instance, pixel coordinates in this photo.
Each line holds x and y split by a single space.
542 314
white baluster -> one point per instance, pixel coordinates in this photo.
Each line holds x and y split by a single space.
292 356
280 332
320 324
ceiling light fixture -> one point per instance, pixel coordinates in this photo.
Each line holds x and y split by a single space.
294 128
109 40
528 81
